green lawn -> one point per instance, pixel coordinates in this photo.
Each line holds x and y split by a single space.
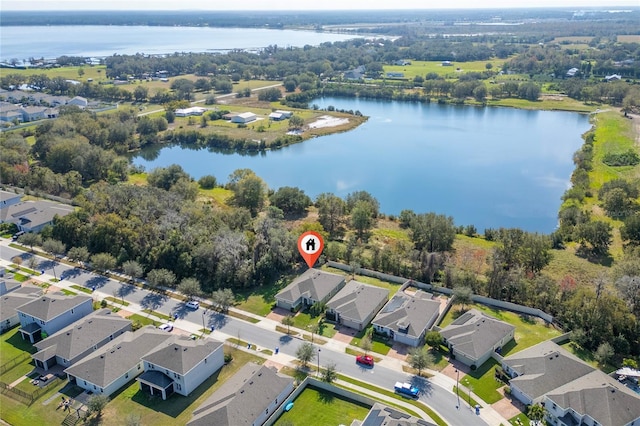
587 356
318 407
379 345
529 330
524 420
82 289
12 345
483 382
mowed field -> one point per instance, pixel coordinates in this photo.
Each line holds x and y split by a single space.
422 68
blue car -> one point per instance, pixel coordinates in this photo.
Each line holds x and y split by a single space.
406 389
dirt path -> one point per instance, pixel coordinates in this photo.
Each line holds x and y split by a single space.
636 126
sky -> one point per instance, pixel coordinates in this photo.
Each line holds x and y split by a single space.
35 5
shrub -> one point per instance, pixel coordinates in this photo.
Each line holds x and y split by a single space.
228 358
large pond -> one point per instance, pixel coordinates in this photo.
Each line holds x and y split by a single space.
25 42
490 167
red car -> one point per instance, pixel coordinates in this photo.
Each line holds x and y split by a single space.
364 359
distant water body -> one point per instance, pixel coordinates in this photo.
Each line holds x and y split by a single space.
490 167
24 42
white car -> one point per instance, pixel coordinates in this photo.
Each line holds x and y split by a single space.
192 304
166 327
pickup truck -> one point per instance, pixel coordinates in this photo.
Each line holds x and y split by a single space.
406 389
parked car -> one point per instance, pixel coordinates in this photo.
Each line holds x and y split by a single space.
166 327
17 235
365 360
192 304
406 389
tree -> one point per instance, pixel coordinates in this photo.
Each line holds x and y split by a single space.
432 232
420 358
222 299
30 239
17 260
207 182
630 231
366 344
329 374
314 328
288 322
362 217
292 201
249 192
270 95
132 269
190 287
32 263
604 353
433 339
140 93
296 122
535 252
331 210
103 261
306 353
597 234
55 247
536 412
96 404
462 295
78 254
161 278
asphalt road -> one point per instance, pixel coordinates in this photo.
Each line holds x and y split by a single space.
441 400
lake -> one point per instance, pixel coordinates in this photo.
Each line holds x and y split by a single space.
490 167
24 42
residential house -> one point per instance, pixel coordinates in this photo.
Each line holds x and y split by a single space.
187 112
33 113
285 114
11 113
381 414
180 366
572 72
9 198
541 369
474 336
355 74
247 398
115 364
406 318
356 304
613 77
79 339
401 62
593 399
32 216
311 287
276 116
78 101
11 300
447 64
50 313
244 117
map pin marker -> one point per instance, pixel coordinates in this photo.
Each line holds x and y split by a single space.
310 245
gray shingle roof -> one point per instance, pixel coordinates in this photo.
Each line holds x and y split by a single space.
181 354
242 398
475 333
82 335
357 300
10 301
544 367
110 362
600 397
50 306
413 313
34 213
382 415
313 283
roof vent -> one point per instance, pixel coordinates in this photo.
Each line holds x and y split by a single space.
102 356
175 348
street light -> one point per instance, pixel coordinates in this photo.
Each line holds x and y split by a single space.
466 381
203 326
458 387
318 362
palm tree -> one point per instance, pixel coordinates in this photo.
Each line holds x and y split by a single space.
536 412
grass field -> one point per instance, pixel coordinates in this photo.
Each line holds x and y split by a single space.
96 72
422 68
318 407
